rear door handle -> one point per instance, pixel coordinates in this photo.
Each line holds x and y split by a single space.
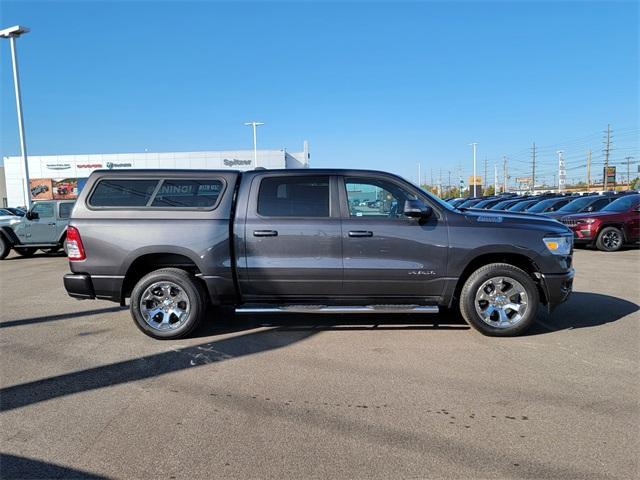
360 233
265 233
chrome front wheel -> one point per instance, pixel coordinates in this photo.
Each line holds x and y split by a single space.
501 302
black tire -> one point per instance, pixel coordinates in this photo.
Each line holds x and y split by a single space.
25 251
610 239
5 247
190 286
485 274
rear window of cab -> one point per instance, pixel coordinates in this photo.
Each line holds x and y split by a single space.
162 194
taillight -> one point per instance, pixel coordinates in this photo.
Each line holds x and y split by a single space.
75 249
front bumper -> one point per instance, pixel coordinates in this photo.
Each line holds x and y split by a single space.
79 285
557 287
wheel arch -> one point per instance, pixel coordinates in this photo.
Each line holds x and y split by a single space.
618 225
148 262
518 260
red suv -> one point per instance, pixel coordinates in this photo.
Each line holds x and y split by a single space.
616 224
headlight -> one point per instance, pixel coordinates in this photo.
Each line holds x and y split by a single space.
587 220
559 245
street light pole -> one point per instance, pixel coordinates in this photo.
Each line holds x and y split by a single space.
12 33
474 145
255 143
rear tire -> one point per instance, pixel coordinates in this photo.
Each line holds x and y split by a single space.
499 300
5 248
610 239
168 303
25 251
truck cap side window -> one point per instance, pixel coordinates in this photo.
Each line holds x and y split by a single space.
289 196
122 193
375 198
188 193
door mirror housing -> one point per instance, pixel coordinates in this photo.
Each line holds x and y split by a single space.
31 215
416 209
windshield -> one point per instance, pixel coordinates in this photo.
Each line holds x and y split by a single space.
501 205
577 205
542 206
622 204
520 206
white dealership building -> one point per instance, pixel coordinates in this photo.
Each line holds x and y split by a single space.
63 176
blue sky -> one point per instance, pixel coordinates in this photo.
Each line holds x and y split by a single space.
370 85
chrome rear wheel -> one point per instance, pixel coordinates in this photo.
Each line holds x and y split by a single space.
164 306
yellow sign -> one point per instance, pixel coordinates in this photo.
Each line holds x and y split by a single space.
475 180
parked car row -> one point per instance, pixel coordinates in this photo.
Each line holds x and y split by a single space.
606 221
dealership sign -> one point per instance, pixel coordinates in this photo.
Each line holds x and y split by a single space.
111 165
58 166
235 162
89 165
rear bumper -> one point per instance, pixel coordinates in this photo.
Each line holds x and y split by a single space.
83 285
79 285
557 287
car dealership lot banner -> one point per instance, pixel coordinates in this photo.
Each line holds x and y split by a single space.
48 189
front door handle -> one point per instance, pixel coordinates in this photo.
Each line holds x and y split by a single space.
360 233
52 223
265 233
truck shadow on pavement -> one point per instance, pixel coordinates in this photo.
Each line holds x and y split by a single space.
23 468
583 310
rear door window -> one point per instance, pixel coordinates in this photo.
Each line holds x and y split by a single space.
188 193
65 210
291 196
122 193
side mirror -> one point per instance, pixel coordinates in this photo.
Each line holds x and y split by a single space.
416 209
32 215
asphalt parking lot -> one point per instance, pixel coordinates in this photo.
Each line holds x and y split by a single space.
85 394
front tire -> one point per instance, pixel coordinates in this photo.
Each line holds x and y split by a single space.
499 300
25 251
610 239
168 303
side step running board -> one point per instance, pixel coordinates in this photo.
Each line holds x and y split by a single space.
328 309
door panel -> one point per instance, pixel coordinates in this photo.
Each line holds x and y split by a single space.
293 237
42 229
385 253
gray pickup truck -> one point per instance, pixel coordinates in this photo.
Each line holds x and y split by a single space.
319 241
43 227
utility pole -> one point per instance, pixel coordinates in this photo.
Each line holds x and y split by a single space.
419 178
475 147
607 149
589 172
504 169
495 178
449 184
533 167
628 159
